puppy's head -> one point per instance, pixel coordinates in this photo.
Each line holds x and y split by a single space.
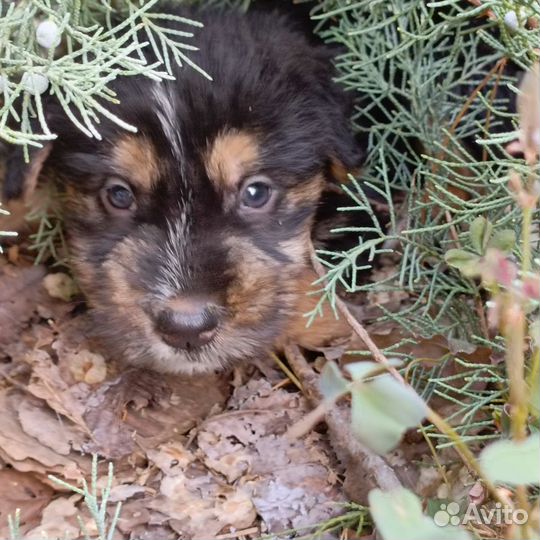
190 236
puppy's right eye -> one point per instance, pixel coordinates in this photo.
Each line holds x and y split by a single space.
117 196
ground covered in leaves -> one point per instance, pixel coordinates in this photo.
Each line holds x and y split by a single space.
195 457
204 457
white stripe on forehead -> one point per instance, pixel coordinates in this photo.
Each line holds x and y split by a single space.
174 273
164 99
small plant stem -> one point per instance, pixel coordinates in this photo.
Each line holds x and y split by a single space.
514 333
461 448
292 377
442 472
464 452
481 314
515 330
355 324
463 111
492 96
475 92
526 240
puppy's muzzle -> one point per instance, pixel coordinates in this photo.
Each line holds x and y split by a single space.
187 324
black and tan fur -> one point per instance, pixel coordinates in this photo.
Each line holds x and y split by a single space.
272 111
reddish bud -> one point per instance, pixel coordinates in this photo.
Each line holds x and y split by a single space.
496 267
531 287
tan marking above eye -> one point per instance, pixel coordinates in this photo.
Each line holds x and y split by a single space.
229 157
305 193
136 158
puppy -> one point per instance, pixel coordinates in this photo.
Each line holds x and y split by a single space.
190 238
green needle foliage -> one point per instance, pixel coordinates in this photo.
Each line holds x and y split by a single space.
73 50
95 500
82 47
415 66
434 95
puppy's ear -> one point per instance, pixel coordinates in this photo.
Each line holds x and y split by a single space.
346 152
342 164
21 177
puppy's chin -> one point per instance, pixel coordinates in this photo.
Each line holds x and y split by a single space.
165 359
219 355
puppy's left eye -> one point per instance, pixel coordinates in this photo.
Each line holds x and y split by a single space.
256 194
117 195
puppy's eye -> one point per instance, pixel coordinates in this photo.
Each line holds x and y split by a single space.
256 194
117 195
120 197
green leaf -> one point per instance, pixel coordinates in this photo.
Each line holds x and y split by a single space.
480 233
504 240
513 462
382 410
465 261
332 383
362 370
398 516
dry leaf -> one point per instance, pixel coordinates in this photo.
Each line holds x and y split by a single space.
25 493
47 383
17 444
50 429
292 484
86 366
144 405
59 520
60 285
20 289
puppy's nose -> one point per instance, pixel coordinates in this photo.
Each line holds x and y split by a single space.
187 326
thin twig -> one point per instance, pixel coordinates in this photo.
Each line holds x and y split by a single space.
238 534
492 96
375 470
287 371
460 446
355 324
488 13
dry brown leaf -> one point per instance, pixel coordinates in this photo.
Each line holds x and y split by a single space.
50 429
122 492
47 383
134 516
143 406
477 494
200 507
59 520
18 445
60 285
20 290
25 493
86 366
292 484
172 458
147 531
